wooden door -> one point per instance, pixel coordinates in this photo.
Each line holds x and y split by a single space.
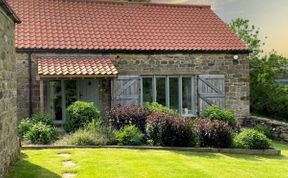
125 91
89 91
211 90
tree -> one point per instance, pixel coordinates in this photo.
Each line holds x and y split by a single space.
266 97
249 34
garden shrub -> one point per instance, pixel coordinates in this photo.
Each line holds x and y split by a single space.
40 133
251 139
214 133
24 126
167 130
129 135
156 107
264 130
79 114
99 127
45 118
119 117
214 112
83 137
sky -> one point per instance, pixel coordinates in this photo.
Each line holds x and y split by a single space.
271 16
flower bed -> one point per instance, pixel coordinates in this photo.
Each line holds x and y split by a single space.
153 126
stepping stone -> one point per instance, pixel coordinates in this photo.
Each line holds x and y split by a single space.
64 155
68 164
69 175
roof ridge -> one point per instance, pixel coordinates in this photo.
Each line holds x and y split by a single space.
144 3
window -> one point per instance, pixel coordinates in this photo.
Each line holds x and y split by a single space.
174 92
147 89
161 91
187 96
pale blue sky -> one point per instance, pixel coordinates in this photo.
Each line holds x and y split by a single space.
271 16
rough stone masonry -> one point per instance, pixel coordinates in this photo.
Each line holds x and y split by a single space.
236 74
9 142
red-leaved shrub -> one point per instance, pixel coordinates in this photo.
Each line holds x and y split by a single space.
119 117
167 130
214 133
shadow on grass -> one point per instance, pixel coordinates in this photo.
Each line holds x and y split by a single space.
206 155
255 157
231 155
26 169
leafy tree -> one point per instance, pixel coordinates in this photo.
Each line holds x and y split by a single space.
249 34
266 97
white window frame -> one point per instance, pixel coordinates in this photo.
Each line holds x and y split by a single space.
167 91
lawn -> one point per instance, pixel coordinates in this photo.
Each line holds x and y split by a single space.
126 163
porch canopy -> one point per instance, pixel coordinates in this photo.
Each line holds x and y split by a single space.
72 67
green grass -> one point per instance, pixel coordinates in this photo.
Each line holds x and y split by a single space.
106 163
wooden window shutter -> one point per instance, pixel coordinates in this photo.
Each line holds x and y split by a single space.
211 90
125 90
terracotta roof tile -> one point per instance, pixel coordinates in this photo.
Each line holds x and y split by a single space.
75 65
96 25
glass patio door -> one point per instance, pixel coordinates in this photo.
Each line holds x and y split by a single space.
55 105
62 93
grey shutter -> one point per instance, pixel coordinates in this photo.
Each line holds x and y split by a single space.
211 90
126 91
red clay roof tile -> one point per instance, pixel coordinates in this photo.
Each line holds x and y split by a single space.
75 65
96 25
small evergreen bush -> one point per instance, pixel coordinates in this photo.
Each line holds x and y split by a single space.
129 135
79 114
251 139
264 130
167 130
120 117
214 112
40 133
214 133
45 118
24 126
156 107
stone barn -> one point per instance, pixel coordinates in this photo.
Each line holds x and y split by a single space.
121 53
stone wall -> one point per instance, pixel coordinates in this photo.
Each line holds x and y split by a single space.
279 129
9 145
236 73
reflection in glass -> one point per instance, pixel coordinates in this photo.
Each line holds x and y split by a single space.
70 91
147 90
186 95
55 99
160 90
174 94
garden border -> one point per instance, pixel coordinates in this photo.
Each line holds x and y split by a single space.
266 152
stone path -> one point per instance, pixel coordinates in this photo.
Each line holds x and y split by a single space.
64 155
69 175
67 164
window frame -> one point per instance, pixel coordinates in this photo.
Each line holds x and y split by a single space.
167 91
